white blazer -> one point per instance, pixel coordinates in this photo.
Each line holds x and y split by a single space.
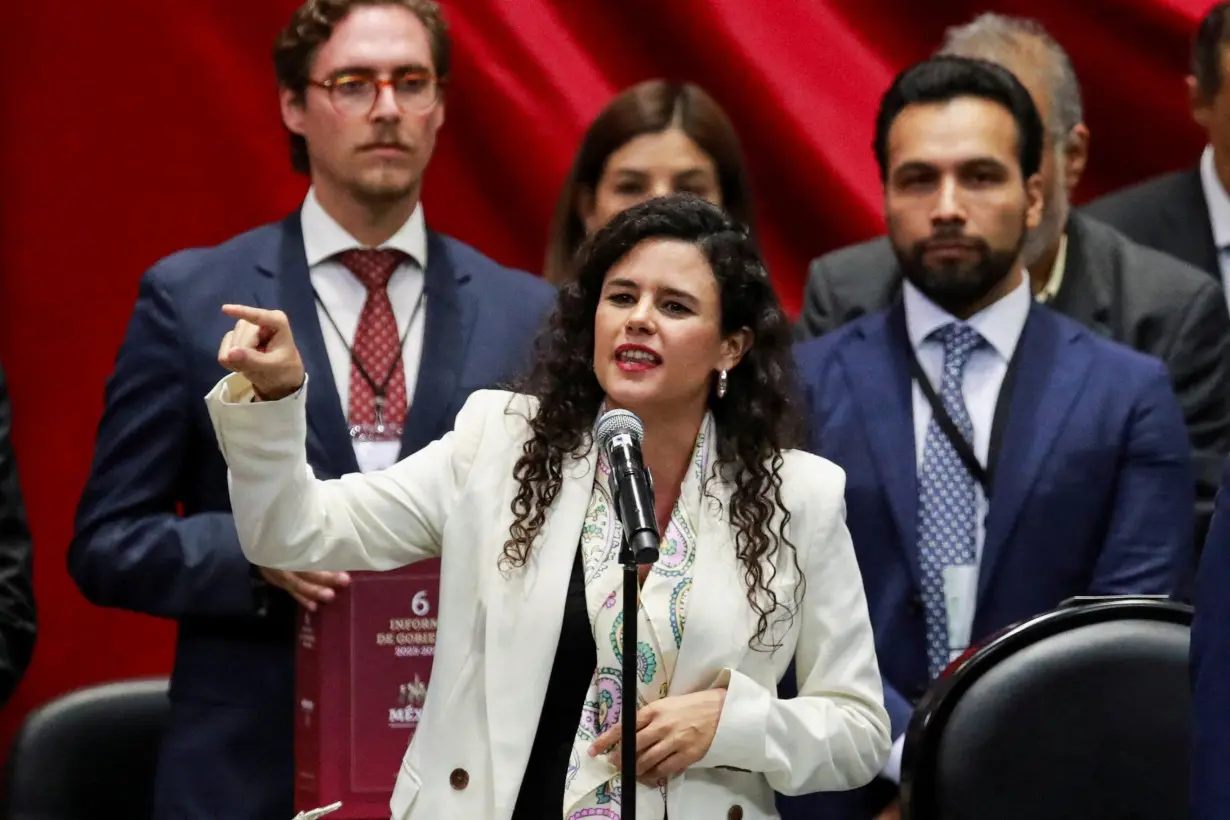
497 630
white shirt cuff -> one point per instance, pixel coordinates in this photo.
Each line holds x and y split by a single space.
892 769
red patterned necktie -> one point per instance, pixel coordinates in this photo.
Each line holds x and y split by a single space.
377 377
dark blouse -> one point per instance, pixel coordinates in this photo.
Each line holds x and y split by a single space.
576 658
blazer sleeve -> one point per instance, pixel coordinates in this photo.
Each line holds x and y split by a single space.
289 519
1198 358
131 548
18 614
834 734
1210 661
1148 549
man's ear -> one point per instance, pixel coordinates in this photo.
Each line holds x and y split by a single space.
1035 200
292 110
1198 102
1075 156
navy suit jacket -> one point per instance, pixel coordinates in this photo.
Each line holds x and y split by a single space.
1092 488
1210 659
228 752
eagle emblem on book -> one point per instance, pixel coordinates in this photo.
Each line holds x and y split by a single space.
412 694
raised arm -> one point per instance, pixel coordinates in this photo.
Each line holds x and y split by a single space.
285 516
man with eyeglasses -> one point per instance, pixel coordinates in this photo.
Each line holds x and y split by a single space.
398 324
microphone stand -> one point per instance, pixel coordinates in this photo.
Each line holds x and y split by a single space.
631 559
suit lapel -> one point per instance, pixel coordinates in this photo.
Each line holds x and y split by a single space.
524 619
712 639
449 321
1187 216
1051 370
878 376
1083 294
328 441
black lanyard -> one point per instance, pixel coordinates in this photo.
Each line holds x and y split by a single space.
378 390
984 476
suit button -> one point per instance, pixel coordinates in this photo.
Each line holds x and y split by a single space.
735 813
914 606
459 779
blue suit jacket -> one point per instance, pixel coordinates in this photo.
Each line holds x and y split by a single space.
1092 489
228 752
1210 657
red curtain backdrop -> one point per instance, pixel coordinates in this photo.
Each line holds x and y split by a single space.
130 130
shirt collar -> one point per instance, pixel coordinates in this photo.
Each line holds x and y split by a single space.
324 238
999 323
1216 198
1055 282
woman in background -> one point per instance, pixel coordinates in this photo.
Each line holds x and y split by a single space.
654 139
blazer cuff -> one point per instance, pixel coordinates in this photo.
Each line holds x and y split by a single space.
236 389
742 726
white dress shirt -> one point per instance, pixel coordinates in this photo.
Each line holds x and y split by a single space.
341 296
1218 202
1000 325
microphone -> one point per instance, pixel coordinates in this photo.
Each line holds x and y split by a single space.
619 434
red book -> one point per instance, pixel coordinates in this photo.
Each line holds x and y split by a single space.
362 665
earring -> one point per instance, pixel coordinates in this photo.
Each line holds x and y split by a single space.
721 385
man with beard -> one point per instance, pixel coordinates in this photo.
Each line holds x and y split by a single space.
1000 457
1082 268
398 324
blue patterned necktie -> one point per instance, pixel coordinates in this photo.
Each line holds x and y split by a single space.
947 499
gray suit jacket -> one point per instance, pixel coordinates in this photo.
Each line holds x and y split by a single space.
1137 296
1166 213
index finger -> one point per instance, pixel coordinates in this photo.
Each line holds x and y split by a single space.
257 316
325 579
606 740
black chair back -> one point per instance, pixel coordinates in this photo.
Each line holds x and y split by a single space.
1082 713
91 753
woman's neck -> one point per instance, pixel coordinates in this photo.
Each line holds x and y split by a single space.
667 449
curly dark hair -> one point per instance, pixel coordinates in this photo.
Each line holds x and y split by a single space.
754 422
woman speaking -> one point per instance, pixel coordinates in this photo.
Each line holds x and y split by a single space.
671 317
